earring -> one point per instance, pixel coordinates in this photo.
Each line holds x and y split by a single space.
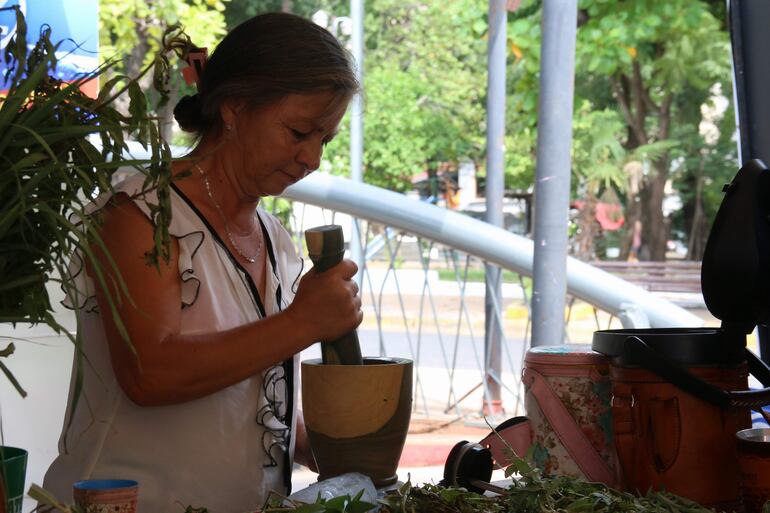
228 127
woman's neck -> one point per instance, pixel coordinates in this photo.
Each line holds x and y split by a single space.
213 185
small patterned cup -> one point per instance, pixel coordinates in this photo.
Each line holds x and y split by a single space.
106 495
754 459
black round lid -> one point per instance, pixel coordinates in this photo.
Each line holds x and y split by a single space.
685 346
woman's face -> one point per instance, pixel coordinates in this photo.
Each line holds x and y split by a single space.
277 145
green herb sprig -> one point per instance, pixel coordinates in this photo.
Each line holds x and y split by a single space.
531 492
341 504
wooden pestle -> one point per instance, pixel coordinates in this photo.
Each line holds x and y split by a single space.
326 247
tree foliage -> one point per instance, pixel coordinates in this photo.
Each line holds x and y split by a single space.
644 69
660 60
133 29
425 84
648 64
425 89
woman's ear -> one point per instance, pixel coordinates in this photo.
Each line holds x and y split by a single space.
228 111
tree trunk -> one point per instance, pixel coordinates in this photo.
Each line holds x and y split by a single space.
654 224
585 248
699 229
627 92
635 104
633 215
635 173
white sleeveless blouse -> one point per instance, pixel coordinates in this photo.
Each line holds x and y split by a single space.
225 451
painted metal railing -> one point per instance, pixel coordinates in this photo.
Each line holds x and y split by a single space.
421 300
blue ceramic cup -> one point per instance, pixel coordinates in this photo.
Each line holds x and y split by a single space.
106 495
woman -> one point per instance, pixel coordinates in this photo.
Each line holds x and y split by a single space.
204 412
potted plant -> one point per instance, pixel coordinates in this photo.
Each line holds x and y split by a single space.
59 149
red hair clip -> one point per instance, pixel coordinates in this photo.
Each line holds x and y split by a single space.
197 62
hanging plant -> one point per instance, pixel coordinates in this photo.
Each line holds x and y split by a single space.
59 148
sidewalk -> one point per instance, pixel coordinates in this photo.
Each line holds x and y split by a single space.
429 440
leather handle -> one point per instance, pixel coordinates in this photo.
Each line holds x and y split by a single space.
652 360
753 398
638 350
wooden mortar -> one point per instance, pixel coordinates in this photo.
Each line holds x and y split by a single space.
357 416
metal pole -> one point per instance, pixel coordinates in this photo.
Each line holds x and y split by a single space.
357 126
749 37
494 198
552 185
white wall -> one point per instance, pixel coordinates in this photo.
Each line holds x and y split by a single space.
42 364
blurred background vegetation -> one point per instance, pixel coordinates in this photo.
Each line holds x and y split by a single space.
653 125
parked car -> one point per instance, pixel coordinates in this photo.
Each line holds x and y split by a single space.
516 213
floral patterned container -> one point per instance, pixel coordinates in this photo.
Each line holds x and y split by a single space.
106 495
568 393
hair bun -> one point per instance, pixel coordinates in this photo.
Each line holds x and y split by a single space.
188 113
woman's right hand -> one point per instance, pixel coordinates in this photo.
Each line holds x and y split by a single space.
327 305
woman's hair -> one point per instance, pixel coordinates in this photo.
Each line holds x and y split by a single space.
262 60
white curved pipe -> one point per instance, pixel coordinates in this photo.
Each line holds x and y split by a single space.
498 246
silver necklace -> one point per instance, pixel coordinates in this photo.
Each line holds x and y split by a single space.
224 220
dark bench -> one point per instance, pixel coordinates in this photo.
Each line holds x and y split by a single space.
668 276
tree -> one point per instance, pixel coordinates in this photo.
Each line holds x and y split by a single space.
644 68
659 59
707 160
650 61
602 166
425 90
424 99
597 161
134 27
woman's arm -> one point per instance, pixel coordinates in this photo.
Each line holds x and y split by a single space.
170 368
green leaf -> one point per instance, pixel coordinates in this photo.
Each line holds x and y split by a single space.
337 503
49 170
12 379
359 506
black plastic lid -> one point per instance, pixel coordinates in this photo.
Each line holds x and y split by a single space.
685 346
735 273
